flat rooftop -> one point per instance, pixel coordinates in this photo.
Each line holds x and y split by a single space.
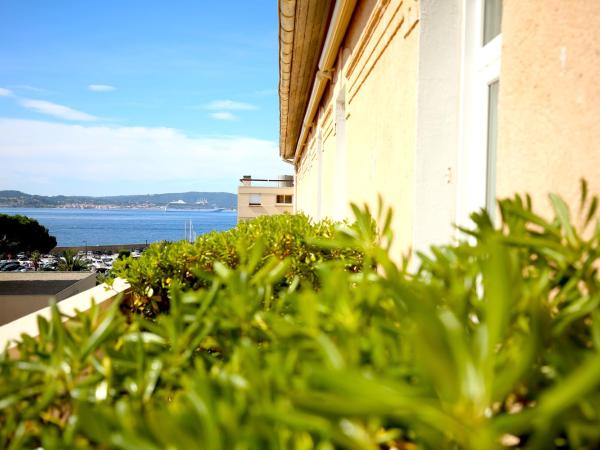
38 283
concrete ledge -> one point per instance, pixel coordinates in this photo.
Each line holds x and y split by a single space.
102 295
24 293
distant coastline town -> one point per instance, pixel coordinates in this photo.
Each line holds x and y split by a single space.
21 233
183 200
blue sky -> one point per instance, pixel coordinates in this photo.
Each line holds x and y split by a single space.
130 96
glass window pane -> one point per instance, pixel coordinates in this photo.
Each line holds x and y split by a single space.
492 141
284 199
492 19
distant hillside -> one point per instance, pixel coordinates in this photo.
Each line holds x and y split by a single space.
23 200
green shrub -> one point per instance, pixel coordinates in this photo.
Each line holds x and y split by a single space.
189 265
492 343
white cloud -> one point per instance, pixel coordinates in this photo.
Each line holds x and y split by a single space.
5 92
229 105
53 158
26 87
56 110
101 87
223 115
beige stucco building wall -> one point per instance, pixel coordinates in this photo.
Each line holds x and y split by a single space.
549 123
268 204
373 92
407 102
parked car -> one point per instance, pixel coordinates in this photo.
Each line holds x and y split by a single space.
11 267
49 267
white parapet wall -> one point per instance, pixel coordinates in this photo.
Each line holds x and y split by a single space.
101 295
24 293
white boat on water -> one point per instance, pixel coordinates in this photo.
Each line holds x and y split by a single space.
201 205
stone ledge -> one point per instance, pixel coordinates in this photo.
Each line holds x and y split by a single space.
102 295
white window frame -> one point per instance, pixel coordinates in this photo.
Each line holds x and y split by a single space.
319 173
340 190
480 69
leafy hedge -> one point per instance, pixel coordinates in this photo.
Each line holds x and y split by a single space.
492 343
189 266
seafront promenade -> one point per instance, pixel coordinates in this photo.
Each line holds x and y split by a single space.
108 248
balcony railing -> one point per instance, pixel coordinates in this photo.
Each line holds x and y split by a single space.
285 181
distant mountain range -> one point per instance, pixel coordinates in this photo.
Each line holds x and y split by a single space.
203 199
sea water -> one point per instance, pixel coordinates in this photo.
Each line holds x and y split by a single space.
79 227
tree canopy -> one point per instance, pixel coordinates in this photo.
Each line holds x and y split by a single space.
23 234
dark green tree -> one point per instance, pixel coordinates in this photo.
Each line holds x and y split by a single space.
123 254
23 234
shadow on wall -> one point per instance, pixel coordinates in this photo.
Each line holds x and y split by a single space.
24 293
